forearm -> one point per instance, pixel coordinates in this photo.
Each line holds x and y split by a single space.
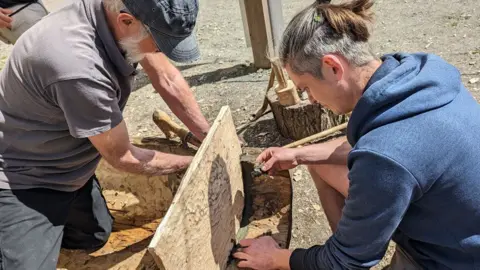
170 84
149 162
331 152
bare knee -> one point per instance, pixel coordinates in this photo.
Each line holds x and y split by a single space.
329 175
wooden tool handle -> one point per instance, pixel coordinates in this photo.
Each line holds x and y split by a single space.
317 136
168 126
278 70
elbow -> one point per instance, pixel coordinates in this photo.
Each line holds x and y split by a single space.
127 161
342 257
117 162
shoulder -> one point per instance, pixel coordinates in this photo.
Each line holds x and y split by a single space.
57 51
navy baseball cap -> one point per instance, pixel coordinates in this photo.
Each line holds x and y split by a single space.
171 23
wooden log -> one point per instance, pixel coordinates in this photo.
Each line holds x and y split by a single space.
197 231
303 119
138 204
271 200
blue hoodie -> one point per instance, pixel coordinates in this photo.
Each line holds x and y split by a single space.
414 171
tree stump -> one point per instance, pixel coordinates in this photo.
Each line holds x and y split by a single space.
303 119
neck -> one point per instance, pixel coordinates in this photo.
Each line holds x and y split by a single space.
361 76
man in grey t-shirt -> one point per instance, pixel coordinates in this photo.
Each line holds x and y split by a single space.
62 92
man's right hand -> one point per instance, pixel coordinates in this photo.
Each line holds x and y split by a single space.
5 20
278 159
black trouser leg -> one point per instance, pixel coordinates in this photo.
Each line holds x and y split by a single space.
89 222
36 223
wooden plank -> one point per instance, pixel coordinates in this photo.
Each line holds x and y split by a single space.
138 204
260 31
198 229
246 31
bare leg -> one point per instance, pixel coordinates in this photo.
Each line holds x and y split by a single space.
332 186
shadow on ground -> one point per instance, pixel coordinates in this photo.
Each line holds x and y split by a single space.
203 78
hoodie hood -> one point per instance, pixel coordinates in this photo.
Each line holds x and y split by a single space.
404 85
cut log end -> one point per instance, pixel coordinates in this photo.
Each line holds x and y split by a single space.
302 119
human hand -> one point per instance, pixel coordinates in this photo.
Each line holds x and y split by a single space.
278 159
5 20
262 254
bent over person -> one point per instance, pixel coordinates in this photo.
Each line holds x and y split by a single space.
408 169
62 92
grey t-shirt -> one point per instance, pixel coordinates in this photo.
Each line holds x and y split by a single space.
65 80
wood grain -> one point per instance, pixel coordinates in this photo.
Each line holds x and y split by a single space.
197 231
303 119
138 204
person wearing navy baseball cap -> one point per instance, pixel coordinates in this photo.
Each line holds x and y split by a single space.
170 23
61 104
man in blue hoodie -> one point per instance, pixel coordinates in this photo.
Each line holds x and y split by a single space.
408 169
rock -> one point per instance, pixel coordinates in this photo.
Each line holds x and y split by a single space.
474 80
317 207
297 175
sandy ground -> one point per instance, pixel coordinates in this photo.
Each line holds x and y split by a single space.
224 75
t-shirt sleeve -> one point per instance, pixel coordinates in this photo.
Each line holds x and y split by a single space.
380 192
90 107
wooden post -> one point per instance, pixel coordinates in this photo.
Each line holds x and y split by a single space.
277 23
260 31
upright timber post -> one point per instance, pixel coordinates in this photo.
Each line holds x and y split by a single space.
264 27
276 21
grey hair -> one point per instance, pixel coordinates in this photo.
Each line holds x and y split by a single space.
114 5
324 28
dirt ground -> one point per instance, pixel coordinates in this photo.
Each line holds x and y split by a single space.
225 76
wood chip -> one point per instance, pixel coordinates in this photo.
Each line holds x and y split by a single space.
474 80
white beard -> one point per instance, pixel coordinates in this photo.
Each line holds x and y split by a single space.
131 46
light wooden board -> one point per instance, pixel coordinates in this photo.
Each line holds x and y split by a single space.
246 31
198 229
138 204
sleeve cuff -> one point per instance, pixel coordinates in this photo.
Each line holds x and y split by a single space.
297 259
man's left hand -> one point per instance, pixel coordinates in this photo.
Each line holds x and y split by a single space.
262 254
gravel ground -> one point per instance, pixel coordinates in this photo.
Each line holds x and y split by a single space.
225 76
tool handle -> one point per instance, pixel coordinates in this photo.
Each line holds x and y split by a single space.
171 129
317 136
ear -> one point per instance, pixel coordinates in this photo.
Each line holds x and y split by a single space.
125 22
332 67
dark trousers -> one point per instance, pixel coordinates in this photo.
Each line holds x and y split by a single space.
36 223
